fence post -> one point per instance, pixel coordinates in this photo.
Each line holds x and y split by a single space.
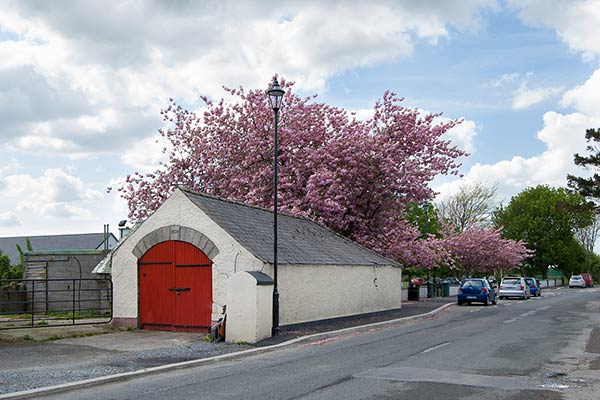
32 302
73 288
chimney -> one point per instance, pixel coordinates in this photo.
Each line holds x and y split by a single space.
123 229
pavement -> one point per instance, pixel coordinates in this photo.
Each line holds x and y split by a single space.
42 334
97 354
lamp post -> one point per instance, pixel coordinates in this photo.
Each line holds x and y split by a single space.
275 93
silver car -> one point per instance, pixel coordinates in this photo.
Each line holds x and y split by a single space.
514 287
577 281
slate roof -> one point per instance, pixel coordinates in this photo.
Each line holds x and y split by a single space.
81 241
300 240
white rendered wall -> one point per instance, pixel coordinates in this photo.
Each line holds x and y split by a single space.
249 309
178 210
310 293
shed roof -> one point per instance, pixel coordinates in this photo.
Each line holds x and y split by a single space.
80 241
300 240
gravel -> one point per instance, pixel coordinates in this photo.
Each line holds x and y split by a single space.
86 363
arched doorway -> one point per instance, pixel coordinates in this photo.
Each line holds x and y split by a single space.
175 288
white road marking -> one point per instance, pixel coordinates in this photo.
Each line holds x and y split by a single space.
529 313
435 347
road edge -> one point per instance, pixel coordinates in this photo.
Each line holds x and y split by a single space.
65 387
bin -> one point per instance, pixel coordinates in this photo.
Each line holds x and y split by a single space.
445 289
430 289
413 292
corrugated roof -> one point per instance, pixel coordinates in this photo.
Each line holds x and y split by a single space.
300 240
80 241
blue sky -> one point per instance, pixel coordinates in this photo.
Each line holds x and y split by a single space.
81 86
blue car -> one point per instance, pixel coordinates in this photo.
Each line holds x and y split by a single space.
534 287
476 290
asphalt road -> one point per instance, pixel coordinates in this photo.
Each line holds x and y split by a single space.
535 349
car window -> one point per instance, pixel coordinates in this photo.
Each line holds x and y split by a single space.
529 281
511 281
473 284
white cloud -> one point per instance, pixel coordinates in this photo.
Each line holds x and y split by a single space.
525 97
576 22
585 98
146 154
54 202
9 219
85 78
12 165
463 135
508 77
54 186
563 136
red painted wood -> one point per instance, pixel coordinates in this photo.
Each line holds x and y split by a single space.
193 269
175 264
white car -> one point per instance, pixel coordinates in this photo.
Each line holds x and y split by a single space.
576 281
514 287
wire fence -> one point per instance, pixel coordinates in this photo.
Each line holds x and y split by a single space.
33 303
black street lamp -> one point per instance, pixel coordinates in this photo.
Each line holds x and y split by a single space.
275 93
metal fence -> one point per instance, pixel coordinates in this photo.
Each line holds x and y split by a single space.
38 303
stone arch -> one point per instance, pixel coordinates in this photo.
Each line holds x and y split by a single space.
176 232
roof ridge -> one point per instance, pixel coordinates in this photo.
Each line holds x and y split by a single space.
239 203
53 235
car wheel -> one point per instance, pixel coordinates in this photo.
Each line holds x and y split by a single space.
486 302
460 303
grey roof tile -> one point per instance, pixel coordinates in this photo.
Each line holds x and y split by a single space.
300 240
81 241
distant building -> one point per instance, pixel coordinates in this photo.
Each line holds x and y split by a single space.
70 242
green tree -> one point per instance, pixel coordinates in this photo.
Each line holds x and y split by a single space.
546 219
424 217
15 271
6 270
588 187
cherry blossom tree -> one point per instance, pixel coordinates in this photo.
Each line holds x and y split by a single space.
355 177
484 250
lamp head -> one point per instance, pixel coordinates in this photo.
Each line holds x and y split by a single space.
275 93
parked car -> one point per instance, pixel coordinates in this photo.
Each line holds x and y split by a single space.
476 290
417 281
589 281
577 281
514 287
534 286
451 280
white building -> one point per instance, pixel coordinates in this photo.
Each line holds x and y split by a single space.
198 253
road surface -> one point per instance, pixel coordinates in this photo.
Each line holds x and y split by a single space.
534 349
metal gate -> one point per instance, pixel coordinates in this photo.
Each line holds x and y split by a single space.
175 288
39 303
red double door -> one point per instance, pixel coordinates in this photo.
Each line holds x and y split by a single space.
175 288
